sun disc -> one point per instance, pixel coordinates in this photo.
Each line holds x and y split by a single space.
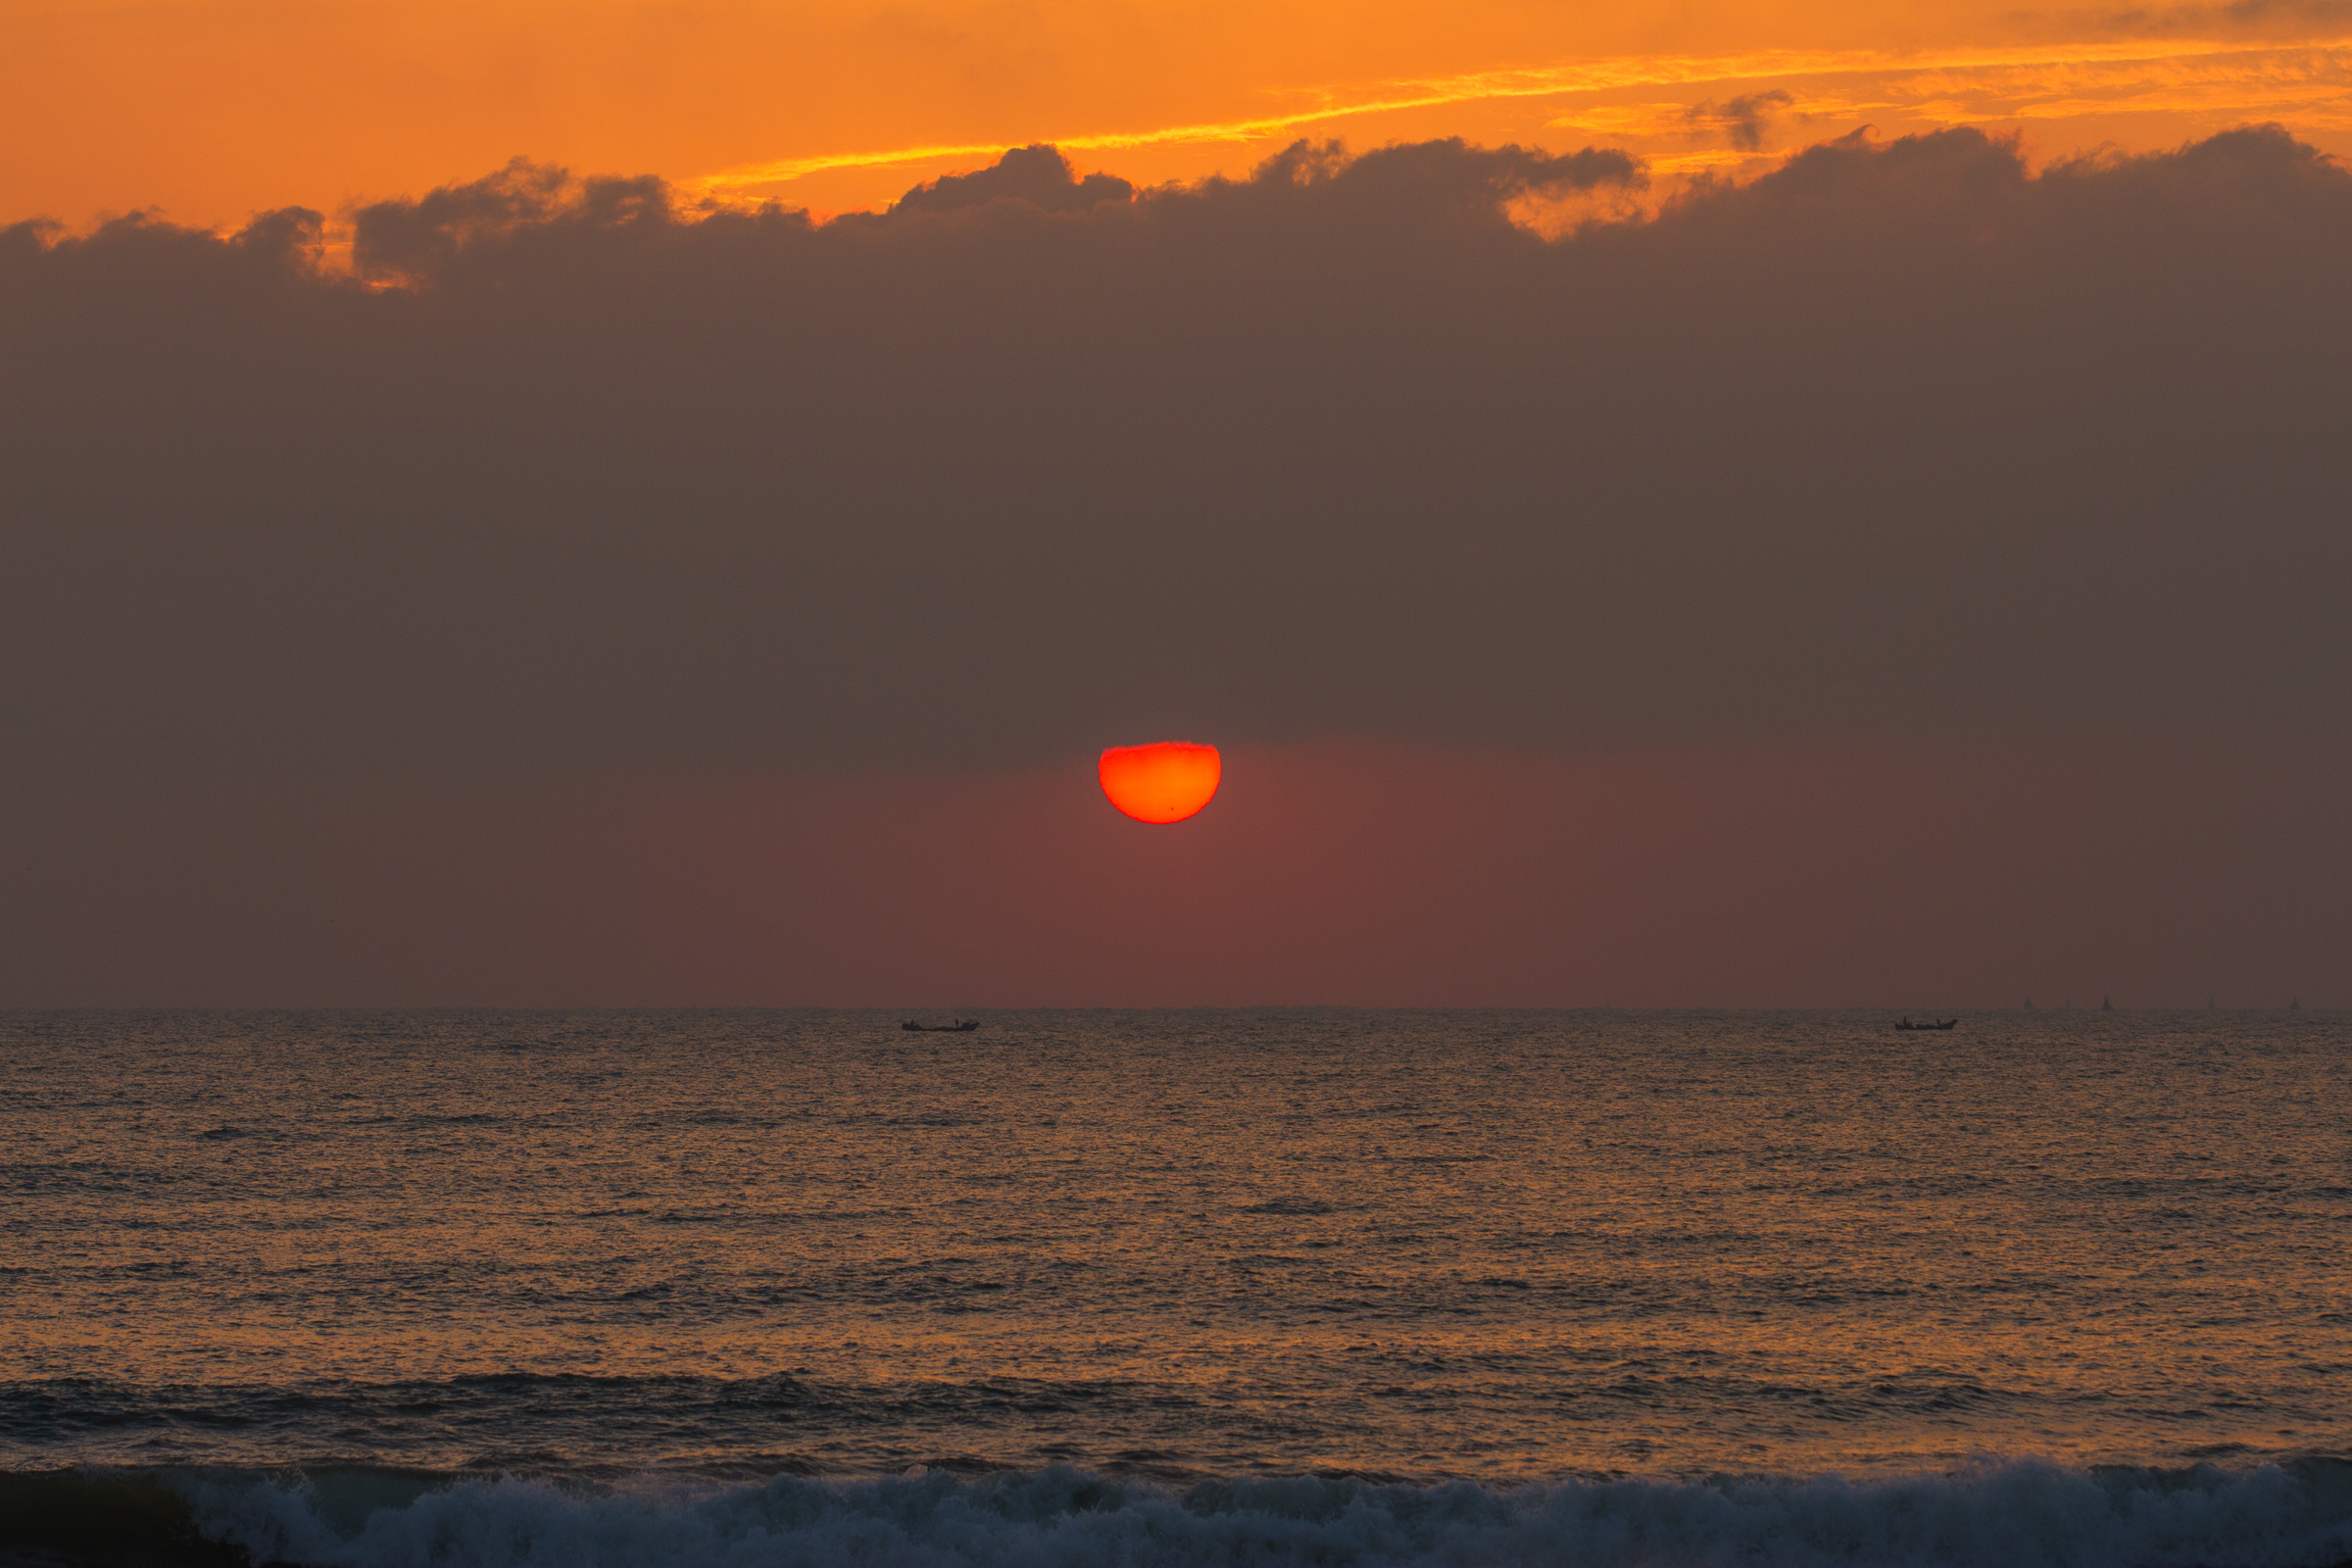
1163 782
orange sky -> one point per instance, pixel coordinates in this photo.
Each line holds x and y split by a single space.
1901 581
211 108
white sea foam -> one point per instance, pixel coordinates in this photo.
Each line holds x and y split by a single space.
2018 1515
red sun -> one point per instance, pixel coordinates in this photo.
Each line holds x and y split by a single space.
1164 782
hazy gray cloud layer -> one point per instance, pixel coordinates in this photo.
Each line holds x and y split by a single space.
1897 439
2263 18
1039 175
1742 120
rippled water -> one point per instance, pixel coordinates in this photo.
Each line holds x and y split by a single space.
1181 1247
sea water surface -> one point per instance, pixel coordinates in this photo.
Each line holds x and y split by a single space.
1263 1285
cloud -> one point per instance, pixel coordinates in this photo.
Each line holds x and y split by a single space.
2238 62
1901 438
523 201
1741 120
1039 175
2269 19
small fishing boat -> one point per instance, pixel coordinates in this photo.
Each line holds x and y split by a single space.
962 1026
1924 1024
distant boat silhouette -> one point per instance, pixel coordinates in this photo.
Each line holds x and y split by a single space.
962 1026
2106 1003
1924 1024
2296 1005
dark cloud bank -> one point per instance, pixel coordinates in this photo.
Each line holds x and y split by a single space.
1900 439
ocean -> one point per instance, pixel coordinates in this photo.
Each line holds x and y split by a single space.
1255 1286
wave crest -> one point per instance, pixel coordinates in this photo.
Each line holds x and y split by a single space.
2016 1515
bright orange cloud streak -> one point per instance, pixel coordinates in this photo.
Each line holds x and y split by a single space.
211 110
2322 75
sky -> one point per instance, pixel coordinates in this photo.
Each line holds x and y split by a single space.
1671 506
210 110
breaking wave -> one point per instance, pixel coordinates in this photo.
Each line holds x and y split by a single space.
2015 1515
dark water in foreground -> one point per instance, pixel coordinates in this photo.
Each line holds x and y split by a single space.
1231 1287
